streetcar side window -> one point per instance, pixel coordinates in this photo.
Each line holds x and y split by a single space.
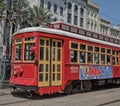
108 56
18 49
82 57
82 53
89 57
117 62
74 52
73 56
88 54
96 58
97 55
115 58
103 56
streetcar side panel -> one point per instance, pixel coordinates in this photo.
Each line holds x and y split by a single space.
93 71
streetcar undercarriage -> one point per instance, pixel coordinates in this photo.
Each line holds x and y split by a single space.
87 85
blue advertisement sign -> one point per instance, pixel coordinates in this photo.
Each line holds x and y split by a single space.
95 72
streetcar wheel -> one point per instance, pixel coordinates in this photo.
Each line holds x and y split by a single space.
68 89
87 86
95 83
28 94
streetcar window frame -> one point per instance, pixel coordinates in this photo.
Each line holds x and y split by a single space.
88 54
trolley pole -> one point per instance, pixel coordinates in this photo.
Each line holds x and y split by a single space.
6 66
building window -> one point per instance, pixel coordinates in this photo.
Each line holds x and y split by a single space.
76 10
92 14
42 3
55 8
95 16
88 12
81 22
49 6
91 27
55 19
61 10
69 7
69 18
82 12
75 20
88 25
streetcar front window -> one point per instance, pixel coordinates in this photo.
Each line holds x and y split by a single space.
18 49
29 54
18 52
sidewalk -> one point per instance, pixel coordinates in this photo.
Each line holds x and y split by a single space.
5 91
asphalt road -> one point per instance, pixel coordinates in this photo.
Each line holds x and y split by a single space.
100 96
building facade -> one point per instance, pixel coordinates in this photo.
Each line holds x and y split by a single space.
115 33
81 13
104 27
70 11
76 12
93 17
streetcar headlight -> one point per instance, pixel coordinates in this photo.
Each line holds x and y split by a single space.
15 73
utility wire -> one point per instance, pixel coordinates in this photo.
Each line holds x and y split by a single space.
115 20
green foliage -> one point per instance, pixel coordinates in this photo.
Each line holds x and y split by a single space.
2 5
38 16
2 8
22 15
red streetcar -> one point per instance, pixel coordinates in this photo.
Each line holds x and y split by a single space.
62 58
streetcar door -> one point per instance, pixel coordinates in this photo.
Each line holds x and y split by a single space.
44 62
50 62
56 66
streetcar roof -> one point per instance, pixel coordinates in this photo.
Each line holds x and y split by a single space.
65 33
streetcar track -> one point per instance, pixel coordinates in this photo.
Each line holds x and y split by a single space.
14 102
3 94
107 103
44 97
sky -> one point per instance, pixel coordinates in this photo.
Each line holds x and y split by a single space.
110 10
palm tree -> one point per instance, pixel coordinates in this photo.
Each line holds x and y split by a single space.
20 13
2 6
38 16
2 9
2 15
25 16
